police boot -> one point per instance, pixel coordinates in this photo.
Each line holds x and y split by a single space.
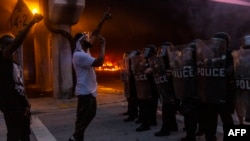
142 128
162 133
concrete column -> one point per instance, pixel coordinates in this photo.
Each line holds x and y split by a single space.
42 60
62 64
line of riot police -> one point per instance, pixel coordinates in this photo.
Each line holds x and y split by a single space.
203 80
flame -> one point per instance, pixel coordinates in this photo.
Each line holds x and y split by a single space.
108 66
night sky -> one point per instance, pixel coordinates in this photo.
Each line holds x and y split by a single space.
137 23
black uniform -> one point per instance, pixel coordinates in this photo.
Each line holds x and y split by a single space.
182 63
242 75
146 90
163 80
215 83
130 89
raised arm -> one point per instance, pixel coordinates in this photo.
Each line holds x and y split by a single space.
100 59
99 26
8 51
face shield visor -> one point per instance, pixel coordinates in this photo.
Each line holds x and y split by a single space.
149 51
246 42
163 49
220 46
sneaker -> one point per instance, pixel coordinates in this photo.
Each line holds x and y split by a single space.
72 138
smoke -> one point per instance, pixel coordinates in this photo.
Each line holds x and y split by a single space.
137 23
210 17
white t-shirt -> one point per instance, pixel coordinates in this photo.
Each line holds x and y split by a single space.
85 73
18 78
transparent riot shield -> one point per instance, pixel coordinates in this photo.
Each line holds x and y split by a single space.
241 66
242 80
162 77
211 58
182 63
143 87
125 74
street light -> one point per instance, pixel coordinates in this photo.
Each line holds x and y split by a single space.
34 11
33 5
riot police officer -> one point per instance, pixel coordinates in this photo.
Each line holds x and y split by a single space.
241 66
162 77
182 63
129 86
215 83
146 91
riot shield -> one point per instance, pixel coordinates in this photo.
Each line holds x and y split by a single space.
182 63
142 82
125 74
211 58
242 77
241 69
162 78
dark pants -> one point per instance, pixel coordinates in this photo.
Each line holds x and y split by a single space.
190 111
132 108
168 117
18 126
148 111
210 113
86 111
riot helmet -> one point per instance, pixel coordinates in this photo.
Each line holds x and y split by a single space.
162 50
149 51
134 58
246 42
224 36
134 53
222 40
126 54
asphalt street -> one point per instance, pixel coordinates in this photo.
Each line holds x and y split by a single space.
53 119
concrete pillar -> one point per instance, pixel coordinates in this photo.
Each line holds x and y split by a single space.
62 64
43 64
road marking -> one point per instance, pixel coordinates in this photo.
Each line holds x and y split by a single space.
40 131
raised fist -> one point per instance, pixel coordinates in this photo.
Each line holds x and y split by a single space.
107 16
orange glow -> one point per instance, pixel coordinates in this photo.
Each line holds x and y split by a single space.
34 11
108 66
